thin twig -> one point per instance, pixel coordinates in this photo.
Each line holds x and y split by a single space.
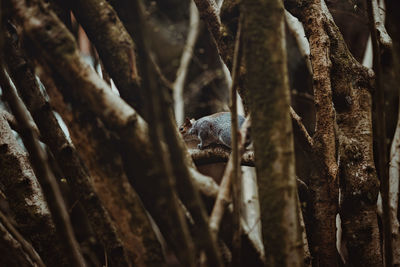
300 132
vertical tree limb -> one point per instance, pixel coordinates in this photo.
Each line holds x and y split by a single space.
137 152
382 164
236 153
392 16
177 151
183 69
154 110
268 91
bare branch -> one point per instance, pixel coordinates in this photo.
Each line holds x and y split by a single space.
297 30
26 199
237 149
68 159
300 132
184 64
380 132
27 248
45 176
209 12
114 45
394 171
378 12
218 154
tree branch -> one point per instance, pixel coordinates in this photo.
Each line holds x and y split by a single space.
27 248
45 176
380 132
65 153
114 45
224 194
184 64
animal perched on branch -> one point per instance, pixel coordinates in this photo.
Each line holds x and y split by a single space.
209 130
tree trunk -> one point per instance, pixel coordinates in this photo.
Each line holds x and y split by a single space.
268 93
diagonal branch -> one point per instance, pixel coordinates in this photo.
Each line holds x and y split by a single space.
68 158
300 132
27 248
45 176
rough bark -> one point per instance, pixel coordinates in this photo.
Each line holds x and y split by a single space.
351 85
67 157
26 199
136 148
21 244
393 26
268 91
15 255
114 45
186 190
323 180
45 176
100 152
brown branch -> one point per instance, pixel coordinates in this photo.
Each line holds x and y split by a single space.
209 13
137 151
237 149
351 85
300 132
45 176
268 94
26 199
114 45
156 119
12 251
177 152
67 157
380 133
26 247
214 154
186 57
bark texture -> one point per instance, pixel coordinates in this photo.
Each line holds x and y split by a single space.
26 199
135 148
67 157
114 45
267 84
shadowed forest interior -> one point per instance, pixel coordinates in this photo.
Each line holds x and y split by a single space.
199 133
